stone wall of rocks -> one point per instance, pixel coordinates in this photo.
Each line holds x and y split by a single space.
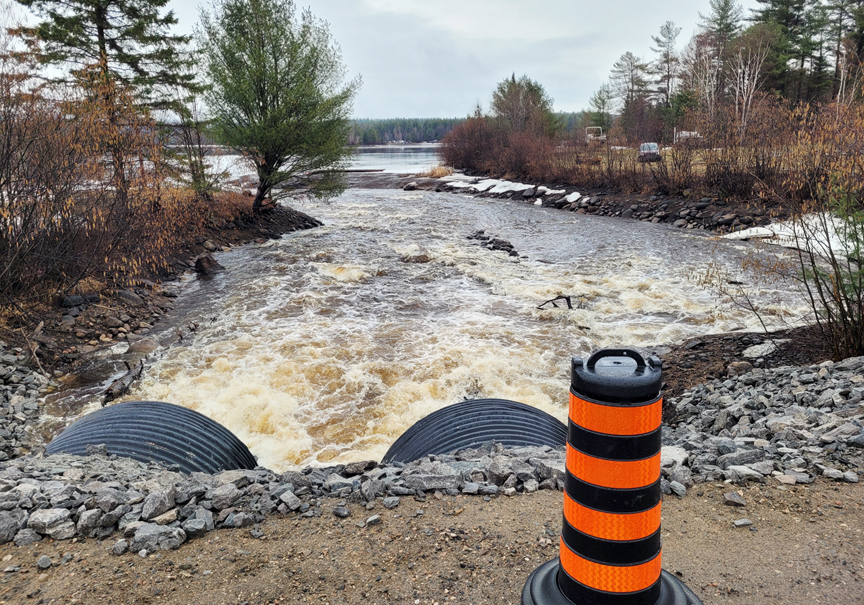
19 388
789 424
708 213
151 508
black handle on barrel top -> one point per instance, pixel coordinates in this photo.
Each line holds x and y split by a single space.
640 361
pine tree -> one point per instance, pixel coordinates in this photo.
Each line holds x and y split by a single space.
629 78
666 64
792 46
124 41
723 22
601 108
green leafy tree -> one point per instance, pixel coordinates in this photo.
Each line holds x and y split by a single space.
125 41
277 93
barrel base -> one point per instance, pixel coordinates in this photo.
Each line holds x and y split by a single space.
542 589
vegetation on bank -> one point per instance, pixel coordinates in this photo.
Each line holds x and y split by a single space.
90 195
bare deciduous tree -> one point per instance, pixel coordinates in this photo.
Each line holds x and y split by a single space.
745 63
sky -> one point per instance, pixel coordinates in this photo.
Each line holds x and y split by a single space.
440 58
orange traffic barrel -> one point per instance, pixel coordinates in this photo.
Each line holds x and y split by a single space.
610 550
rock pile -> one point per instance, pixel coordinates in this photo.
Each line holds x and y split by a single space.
19 387
705 213
493 243
789 424
154 508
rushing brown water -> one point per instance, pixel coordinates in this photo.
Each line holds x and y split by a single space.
326 345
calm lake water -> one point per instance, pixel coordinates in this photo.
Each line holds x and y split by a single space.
400 159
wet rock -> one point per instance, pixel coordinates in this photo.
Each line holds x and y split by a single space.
207 265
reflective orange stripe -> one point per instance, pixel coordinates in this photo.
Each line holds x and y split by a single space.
613 473
610 578
616 420
611 526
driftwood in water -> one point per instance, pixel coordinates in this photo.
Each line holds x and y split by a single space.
122 384
564 298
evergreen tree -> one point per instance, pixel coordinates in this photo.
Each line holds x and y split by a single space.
666 64
124 41
601 108
723 22
791 50
629 78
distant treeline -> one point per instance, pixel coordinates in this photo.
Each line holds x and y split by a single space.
423 130
379 132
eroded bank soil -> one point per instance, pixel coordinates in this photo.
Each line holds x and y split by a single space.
804 546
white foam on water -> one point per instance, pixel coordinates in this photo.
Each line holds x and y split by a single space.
326 345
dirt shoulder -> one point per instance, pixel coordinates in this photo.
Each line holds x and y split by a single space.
804 546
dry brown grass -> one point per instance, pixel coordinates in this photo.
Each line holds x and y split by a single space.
437 172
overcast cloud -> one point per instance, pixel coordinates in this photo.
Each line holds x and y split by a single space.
439 58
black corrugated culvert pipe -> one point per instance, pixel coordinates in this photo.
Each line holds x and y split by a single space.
472 423
153 431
